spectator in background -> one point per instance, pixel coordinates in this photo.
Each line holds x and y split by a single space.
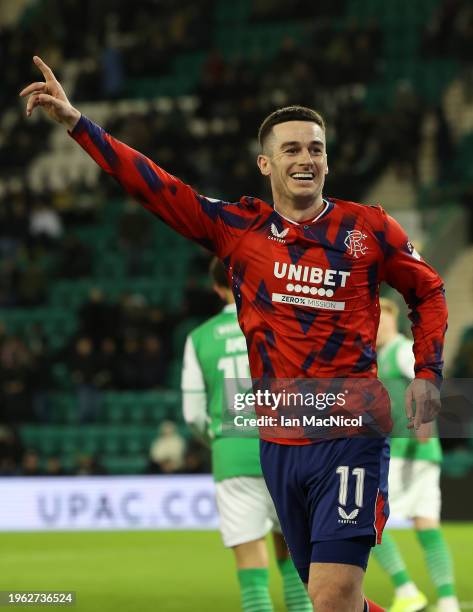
198 302
13 223
133 316
30 464
8 281
3 335
444 148
112 72
152 369
83 365
449 30
88 465
54 467
167 451
97 318
197 458
162 325
129 364
75 258
11 451
86 204
15 364
365 52
108 362
88 83
135 236
41 381
45 224
404 125
32 280
62 201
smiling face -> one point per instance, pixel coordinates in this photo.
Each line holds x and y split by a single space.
295 159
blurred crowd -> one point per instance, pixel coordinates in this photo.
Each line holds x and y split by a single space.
118 346
329 66
170 453
128 345
114 43
450 30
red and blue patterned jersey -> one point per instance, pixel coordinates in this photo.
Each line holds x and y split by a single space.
306 294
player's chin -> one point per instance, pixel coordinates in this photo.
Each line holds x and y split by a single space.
310 189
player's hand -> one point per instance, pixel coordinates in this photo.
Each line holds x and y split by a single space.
425 432
50 96
426 397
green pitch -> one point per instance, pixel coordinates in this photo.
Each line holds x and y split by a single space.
175 571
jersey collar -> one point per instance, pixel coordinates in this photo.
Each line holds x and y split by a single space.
321 214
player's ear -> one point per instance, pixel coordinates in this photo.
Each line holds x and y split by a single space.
264 165
220 291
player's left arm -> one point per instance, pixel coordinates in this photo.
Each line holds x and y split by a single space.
423 291
194 395
406 363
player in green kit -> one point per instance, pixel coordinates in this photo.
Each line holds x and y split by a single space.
414 475
215 351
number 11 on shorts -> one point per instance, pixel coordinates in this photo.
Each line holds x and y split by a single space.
359 474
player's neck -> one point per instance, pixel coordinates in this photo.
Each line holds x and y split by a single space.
387 340
291 211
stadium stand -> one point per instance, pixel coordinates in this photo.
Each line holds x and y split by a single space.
96 298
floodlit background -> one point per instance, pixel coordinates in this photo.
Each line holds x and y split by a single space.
97 296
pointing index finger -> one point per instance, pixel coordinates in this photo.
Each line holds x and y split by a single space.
45 69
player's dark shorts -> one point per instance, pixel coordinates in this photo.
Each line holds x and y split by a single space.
331 498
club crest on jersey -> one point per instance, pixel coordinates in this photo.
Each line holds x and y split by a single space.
354 243
278 236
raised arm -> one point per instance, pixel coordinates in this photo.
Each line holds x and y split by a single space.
215 224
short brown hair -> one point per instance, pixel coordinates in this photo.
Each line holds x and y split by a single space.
288 113
218 274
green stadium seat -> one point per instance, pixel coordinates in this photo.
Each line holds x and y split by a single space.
110 265
135 441
113 408
29 435
69 463
71 440
139 412
63 408
61 375
92 438
173 379
116 464
49 439
115 413
156 407
114 438
148 434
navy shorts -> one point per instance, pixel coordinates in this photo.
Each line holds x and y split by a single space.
335 491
